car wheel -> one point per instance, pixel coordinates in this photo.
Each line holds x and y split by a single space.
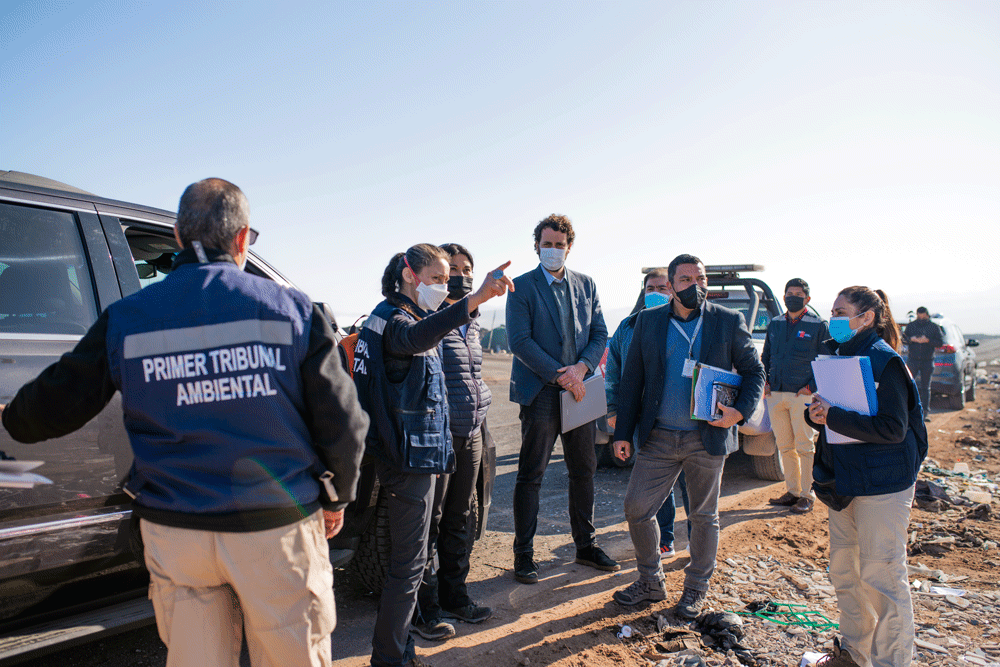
605 457
371 559
956 401
768 467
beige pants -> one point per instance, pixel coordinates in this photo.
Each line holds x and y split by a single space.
794 438
868 569
208 587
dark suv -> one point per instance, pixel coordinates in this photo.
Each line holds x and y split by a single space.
954 364
69 548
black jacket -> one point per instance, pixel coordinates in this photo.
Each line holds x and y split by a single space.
725 343
917 328
788 353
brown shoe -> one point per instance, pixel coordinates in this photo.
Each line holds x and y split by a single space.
838 657
802 506
786 500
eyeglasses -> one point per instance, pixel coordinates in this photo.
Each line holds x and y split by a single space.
253 235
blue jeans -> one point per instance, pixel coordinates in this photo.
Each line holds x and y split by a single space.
658 464
668 512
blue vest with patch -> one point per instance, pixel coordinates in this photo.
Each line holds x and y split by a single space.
207 362
868 469
409 419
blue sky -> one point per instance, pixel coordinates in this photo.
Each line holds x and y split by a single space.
846 143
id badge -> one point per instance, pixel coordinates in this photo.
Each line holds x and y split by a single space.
688 371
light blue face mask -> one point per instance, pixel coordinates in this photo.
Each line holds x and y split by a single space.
654 299
840 328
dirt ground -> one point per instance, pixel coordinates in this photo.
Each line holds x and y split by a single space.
569 618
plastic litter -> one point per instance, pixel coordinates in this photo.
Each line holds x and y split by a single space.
626 632
810 658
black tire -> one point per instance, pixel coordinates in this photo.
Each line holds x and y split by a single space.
970 394
605 457
956 401
371 560
768 467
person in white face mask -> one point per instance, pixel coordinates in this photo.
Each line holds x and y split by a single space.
557 334
401 385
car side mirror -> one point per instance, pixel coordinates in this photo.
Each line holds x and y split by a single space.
328 313
146 271
972 342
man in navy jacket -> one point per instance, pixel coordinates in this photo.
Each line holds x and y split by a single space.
557 334
654 398
235 403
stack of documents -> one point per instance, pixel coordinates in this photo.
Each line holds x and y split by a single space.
15 475
709 387
848 383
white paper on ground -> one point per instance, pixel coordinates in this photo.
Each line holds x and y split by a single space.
810 658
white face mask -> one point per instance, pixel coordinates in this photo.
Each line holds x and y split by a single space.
552 258
430 297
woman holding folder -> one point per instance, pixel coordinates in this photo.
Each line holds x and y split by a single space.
868 486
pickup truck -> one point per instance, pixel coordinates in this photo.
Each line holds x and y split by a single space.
70 561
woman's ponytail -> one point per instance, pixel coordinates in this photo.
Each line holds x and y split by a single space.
887 328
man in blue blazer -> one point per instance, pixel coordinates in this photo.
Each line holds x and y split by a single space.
557 334
654 402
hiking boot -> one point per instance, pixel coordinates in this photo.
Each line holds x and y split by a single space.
597 559
838 657
667 551
641 591
690 603
787 500
525 569
470 613
802 506
434 629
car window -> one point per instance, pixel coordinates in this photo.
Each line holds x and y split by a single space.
45 285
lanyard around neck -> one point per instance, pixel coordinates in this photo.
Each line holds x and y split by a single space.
690 339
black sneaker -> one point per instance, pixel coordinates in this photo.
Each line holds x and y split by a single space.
525 569
470 613
434 629
595 558
690 603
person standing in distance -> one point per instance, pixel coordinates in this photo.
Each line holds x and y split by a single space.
557 333
225 484
401 384
922 336
793 341
443 591
654 401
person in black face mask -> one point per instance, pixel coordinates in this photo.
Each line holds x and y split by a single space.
443 593
793 341
654 404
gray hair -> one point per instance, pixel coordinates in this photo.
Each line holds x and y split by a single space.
212 211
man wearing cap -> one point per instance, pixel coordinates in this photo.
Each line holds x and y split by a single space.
922 336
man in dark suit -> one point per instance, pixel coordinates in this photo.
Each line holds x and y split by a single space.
557 334
654 397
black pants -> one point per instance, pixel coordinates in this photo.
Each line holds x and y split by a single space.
410 499
448 538
539 428
922 370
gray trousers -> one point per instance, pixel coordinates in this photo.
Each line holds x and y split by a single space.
657 465
411 497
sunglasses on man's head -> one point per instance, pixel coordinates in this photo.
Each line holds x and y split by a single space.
253 235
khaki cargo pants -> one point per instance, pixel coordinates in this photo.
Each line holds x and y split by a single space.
207 587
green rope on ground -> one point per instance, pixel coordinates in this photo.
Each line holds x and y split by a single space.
784 613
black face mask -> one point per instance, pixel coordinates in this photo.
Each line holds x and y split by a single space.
794 303
459 286
691 297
